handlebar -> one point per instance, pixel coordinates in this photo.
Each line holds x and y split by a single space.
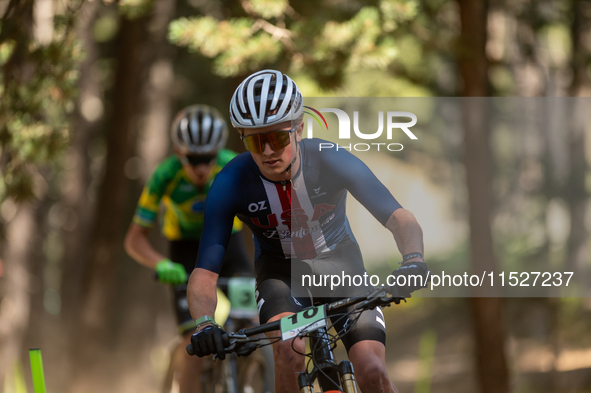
381 296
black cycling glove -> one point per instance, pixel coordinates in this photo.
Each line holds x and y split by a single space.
209 341
416 276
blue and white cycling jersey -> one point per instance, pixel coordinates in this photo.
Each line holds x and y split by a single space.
298 219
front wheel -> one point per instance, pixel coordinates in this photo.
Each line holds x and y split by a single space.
256 372
210 377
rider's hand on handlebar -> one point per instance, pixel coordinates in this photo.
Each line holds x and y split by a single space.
209 341
170 272
416 276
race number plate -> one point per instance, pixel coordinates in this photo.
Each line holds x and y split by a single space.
308 320
242 296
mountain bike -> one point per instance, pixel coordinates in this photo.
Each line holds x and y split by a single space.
254 374
312 323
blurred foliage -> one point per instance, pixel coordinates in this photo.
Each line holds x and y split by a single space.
326 40
105 27
378 48
38 89
132 9
37 86
574 321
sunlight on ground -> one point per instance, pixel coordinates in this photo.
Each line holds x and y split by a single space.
535 359
542 359
407 370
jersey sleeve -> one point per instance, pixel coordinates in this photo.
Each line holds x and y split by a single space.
221 206
223 158
361 182
147 208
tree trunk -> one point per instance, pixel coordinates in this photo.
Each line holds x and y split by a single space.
576 194
487 312
146 304
76 199
77 178
15 291
16 236
154 141
96 328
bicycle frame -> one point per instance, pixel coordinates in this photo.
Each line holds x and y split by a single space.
227 377
331 377
230 371
237 319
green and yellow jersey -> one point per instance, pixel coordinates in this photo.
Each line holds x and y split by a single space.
184 203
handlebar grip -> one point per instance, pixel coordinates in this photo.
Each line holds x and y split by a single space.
225 341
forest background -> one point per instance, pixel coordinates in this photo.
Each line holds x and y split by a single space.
87 92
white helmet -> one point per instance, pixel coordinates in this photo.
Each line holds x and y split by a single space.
199 129
265 98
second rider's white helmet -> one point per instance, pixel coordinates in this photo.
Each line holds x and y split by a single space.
265 98
199 130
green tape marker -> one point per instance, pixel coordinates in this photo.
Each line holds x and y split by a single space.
37 370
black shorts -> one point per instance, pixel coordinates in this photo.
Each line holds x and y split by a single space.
236 263
275 296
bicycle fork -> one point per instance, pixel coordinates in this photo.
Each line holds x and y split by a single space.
347 377
332 378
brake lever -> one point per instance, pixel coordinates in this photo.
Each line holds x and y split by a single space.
383 298
228 349
374 299
380 293
234 340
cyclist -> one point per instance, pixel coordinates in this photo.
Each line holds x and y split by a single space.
181 183
292 196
